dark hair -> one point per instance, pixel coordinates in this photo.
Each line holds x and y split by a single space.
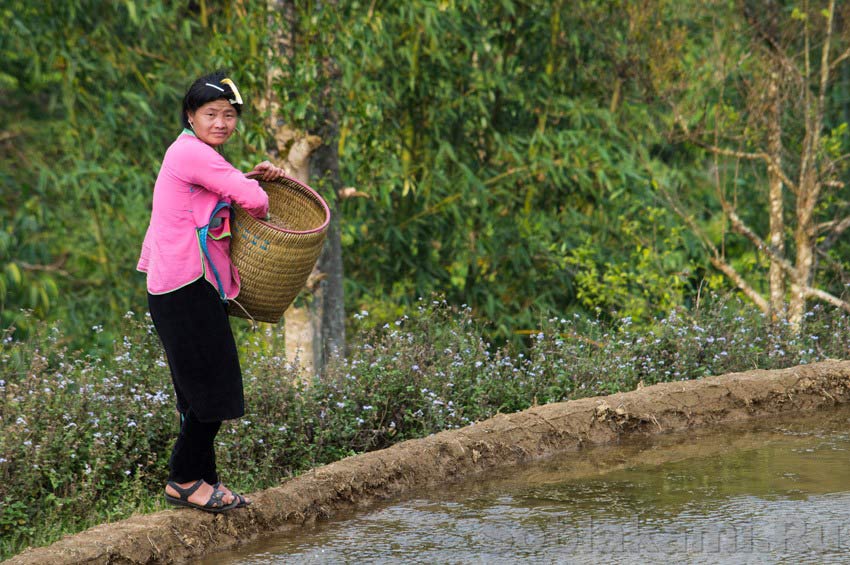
201 92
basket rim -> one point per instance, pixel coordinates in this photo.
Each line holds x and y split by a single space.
284 230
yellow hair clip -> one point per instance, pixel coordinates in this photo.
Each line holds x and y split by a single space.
238 98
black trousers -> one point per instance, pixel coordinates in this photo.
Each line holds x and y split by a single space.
193 456
193 325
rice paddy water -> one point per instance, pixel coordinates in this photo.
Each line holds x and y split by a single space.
755 492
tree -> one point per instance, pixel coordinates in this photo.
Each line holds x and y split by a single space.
768 121
316 331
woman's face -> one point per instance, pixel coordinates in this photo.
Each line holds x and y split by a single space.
214 122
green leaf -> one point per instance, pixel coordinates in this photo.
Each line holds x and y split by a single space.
14 273
131 11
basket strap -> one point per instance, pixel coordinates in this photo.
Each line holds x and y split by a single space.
250 317
203 232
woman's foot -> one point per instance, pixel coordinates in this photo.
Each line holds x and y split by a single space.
242 500
199 494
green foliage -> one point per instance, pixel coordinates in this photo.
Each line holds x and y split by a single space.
92 96
656 278
490 145
510 151
487 140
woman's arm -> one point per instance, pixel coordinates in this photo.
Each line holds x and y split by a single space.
206 167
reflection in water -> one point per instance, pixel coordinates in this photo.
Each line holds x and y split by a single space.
753 493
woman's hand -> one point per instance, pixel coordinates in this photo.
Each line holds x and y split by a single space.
266 171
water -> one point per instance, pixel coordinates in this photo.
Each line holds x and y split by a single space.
764 492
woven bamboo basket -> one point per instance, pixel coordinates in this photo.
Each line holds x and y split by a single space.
275 257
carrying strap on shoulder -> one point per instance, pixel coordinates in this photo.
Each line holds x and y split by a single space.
203 233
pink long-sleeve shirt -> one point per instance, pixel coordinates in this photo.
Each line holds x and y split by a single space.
193 178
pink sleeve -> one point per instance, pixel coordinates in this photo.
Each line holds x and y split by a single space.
205 167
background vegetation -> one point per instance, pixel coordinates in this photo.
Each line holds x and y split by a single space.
519 155
570 177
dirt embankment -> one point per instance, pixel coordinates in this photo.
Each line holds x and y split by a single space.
178 535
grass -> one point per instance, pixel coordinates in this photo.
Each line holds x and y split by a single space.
85 438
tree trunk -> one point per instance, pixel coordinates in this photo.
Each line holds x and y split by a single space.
804 241
325 165
292 150
776 238
303 324
314 331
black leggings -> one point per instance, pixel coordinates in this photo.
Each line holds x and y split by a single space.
193 456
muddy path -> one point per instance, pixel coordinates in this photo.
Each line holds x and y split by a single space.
356 482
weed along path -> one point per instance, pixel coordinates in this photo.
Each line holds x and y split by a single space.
355 482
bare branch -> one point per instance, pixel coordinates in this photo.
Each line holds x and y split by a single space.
833 165
743 229
7 135
57 266
839 60
835 229
752 157
721 265
826 297
514 170
740 227
815 127
760 156
717 259
834 226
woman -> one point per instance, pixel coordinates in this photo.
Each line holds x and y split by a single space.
186 255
